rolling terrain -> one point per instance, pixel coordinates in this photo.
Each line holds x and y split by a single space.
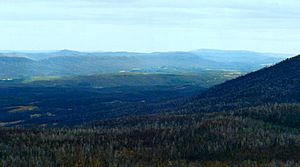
69 63
252 120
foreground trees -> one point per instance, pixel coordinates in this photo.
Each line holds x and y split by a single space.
237 138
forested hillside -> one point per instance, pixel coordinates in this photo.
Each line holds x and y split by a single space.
276 84
253 120
163 140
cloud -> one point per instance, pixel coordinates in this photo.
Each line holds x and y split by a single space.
143 11
193 21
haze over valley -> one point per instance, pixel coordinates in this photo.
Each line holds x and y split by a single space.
149 83
52 86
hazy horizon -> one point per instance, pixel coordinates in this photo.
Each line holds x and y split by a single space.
150 26
120 51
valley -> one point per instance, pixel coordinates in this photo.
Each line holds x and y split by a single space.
204 118
149 83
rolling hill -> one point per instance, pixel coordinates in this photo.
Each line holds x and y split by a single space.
138 93
70 63
259 125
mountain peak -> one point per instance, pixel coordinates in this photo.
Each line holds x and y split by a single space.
67 51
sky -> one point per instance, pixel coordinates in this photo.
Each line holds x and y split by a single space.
150 25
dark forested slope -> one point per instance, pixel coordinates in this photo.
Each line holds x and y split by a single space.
254 131
277 84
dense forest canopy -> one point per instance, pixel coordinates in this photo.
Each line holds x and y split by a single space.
252 120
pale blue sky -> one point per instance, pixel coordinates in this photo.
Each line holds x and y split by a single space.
150 25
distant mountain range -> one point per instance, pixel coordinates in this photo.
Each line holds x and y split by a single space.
68 62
